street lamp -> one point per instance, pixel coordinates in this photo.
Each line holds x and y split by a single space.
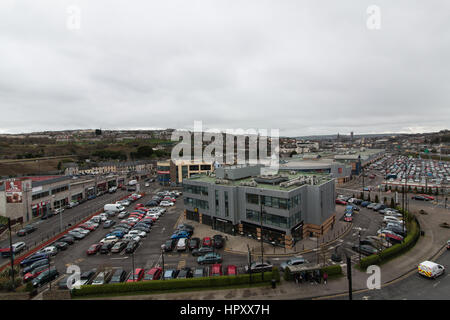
162 257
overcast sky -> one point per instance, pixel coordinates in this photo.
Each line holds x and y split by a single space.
304 67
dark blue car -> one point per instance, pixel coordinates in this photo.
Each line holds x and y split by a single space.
33 258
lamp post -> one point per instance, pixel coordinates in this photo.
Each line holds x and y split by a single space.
162 257
261 227
359 245
132 262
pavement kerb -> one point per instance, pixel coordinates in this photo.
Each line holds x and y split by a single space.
292 253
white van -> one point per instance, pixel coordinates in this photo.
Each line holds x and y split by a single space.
430 269
113 207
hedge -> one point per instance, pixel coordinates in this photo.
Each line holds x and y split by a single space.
395 250
331 270
162 285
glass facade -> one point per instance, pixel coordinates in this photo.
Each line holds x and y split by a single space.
196 203
195 189
267 218
274 202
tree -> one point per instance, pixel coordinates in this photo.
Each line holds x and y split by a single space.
59 165
392 203
362 195
385 201
376 199
98 132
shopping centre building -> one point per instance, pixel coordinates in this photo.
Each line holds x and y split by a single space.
23 199
239 200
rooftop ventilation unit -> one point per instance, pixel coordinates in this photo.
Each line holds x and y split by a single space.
222 181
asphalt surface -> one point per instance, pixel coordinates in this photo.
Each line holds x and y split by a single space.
51 226
414 287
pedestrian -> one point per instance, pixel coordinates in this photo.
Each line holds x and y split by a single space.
296 278
325 277
300 277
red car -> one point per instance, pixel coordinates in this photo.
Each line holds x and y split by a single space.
139 205
348 218
169 199
216 269
338 201
231 270
207 242
31 275
93 249
138 275
153 274
87 227
427 196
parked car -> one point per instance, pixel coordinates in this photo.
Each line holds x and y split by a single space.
206 242
182 244
76 235
106 247
210 258
93 249
33 258
231 270
87 276
67 239
107 239
218 241
45 277
131 246
194 243
216 269
202 251
122 215
180 234
108 224
166 204
102 278
184 273
200 272
153 274
170 274
118 276
118 247
365 249
51 250
169 245
137 275
259 267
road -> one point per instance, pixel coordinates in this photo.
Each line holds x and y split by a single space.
414 287
51 226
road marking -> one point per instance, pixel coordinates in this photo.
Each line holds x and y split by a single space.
121 258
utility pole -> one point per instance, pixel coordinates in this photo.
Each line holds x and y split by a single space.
249 263
261 227
349 277
359 245
162 256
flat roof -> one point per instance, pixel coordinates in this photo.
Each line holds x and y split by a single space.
321 178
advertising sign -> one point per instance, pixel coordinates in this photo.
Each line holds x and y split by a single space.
13 190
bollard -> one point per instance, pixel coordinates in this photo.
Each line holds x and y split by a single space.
274 283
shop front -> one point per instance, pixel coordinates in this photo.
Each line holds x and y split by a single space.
207 220
224 226
62 203
111 183
40 209
272 236
191 215
77 197
90 193
297 232
101 187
